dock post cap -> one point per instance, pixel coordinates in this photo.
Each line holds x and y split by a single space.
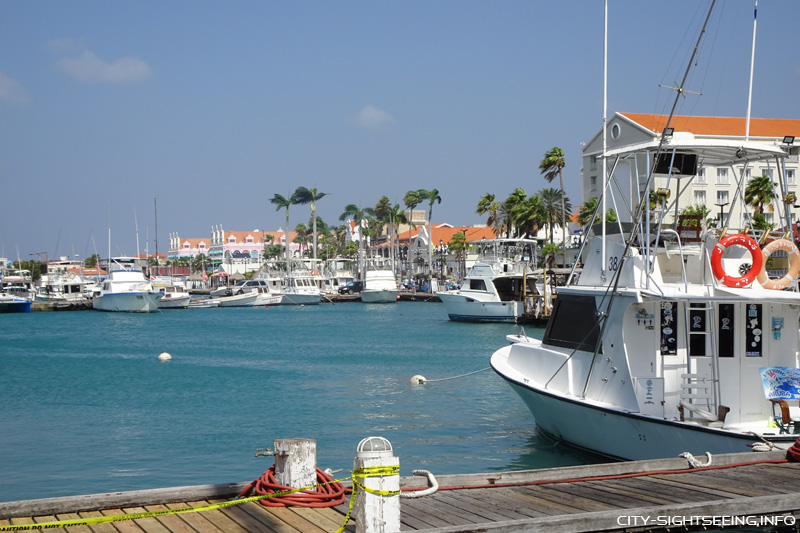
374 447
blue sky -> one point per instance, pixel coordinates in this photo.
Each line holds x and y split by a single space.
213 107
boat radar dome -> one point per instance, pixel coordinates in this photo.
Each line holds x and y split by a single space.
164 356
418 379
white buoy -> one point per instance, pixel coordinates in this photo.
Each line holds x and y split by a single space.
418 379
164 356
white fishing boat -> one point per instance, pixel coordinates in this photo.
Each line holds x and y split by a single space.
18 283
126 289
203 303
64 286
301 289
380 286
500 287
259 286
672 340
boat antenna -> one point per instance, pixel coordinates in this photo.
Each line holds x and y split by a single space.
603 315
752 61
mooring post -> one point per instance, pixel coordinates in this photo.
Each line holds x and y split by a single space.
296 462
374 510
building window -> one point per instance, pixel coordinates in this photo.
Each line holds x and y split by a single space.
748 175
593 181
232 239
699 197
186 245
790 177
615 131
766 172
722 197
249 239
202 245
593 165
722 177
701 176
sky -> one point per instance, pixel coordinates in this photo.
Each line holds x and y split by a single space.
207 109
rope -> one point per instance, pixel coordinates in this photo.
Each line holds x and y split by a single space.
694 462
461 376
329 493
793 453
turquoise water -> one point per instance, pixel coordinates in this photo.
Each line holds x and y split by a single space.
87 406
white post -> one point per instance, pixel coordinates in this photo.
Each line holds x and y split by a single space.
296 462
376 513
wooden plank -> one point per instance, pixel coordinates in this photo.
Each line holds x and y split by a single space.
481 508
98 528
151 524
73 529
267 517
506 498
687 492
549 506
618 486
217 517
246 520
123 526
419 511
197 521
47 519
563 493
293 519
441 508
324 517
170 521
609 520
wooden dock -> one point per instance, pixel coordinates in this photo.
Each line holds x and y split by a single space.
668 493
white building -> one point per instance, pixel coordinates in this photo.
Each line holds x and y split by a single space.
708 185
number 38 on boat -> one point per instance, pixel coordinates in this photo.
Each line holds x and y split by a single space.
675 338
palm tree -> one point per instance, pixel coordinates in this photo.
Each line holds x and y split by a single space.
510 206
302 236
433 197
305 196
397 216
354 212
412 199
551 167
552 201
281 202
487 204
758 192
529 215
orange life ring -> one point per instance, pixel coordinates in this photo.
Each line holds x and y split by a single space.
794 264
736 240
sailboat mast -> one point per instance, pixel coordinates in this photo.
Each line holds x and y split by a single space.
605 120
752 62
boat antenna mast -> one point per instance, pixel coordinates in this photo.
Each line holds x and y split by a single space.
603 315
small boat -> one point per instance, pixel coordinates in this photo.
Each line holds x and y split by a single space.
202 303
18 283
175 297
14 304
500 287
239 298
126 289
301 289
380 286
259 286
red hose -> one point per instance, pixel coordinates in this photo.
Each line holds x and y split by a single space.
329 493
793 453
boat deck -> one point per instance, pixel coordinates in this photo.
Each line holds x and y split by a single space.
606 497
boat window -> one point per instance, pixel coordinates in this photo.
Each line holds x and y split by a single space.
697 329
753 328
574 323
477 285
726 331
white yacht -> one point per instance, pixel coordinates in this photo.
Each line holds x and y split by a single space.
126 289
674 339
174 295
380 286
500 287
301 289
260 287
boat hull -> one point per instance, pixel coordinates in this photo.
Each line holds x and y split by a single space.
379 296
15 305
624 435
295 298
461 308
127 302
247 299
181 302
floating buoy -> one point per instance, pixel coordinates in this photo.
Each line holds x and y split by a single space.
164 356
418 379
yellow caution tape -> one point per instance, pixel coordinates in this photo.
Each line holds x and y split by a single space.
373 471
149 514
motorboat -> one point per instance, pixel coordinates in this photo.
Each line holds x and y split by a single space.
380 286
18 283
174 296
260 286
64 286
203 303
126 289
231 297
301 289
500 286
14 304
674 338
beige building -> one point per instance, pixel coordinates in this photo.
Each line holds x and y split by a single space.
707 185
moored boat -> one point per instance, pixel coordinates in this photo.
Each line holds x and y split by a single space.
14 304
380 286
126 289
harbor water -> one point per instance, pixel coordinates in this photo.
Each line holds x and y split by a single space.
88 407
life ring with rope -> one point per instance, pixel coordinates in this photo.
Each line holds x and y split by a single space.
72 275
726 242
794 264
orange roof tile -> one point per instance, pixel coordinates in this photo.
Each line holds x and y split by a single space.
719 126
